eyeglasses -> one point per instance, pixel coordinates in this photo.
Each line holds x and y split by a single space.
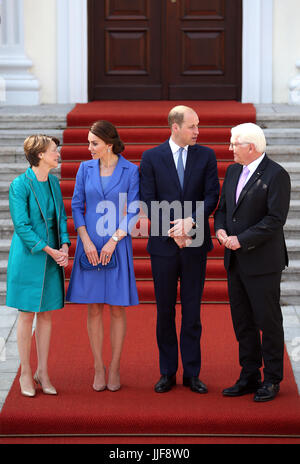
232 145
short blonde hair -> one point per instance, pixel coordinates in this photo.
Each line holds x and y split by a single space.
250 133
36 144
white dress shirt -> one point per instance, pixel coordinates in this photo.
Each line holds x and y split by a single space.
175 150
253 166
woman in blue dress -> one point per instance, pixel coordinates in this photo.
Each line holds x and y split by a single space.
105 207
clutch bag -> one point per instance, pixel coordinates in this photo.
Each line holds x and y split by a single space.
87 266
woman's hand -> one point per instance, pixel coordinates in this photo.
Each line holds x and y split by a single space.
91 252
59 256
107 251
64 260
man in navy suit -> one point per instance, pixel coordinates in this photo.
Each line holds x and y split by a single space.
249 221
180 170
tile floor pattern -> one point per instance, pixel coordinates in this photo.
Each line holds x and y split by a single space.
9 357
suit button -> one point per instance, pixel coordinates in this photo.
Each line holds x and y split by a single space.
234 220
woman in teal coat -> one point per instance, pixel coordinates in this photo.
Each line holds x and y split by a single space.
37 257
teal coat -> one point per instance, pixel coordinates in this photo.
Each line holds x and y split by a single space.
27 260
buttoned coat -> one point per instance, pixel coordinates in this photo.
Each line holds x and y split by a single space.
27 260
257 219
160 183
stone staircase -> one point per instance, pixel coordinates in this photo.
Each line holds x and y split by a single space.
282 129
16 123
281 124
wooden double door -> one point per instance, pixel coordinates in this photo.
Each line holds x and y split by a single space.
164 49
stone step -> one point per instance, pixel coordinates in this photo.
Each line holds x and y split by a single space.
293 247
2 293
292 272
6 229
9 171
294 211
4 209
16 138
295 190
11 154
292 228
279 114
283 153
45 117
283 136
293 168
4 249
3 269
4 188
290 293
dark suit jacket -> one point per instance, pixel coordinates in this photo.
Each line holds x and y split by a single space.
258 217
160 182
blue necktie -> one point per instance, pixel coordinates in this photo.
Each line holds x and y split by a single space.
180 168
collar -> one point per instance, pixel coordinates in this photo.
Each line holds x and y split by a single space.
174 147
253 166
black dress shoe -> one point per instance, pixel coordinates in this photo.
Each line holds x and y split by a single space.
195 384
266 392
241 388
165 383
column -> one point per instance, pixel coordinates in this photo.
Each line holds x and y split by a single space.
257 51
294 87
72 51
18 85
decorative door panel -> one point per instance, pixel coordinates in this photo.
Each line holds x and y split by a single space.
165 49
123 42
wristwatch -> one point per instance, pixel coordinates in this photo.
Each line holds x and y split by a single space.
115 238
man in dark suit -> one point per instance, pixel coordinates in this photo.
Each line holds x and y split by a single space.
180 171
249 221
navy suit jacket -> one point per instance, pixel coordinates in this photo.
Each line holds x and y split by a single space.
257 218
159 182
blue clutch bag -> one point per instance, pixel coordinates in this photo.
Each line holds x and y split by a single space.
85 264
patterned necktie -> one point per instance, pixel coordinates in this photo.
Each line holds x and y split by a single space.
241 182
180 168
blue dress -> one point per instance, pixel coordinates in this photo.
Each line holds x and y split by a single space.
103 208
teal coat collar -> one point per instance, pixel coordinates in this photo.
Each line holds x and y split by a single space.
37 191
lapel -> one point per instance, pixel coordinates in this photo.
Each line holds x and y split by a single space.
55 197
189 166
116 175
255 176
35 187
114 179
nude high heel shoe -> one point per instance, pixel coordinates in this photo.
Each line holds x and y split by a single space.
101 387
114 387
47 390
27 392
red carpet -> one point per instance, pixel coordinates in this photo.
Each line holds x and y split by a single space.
136 409
136 414
143 125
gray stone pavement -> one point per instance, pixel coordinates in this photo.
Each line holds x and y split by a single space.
9 358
